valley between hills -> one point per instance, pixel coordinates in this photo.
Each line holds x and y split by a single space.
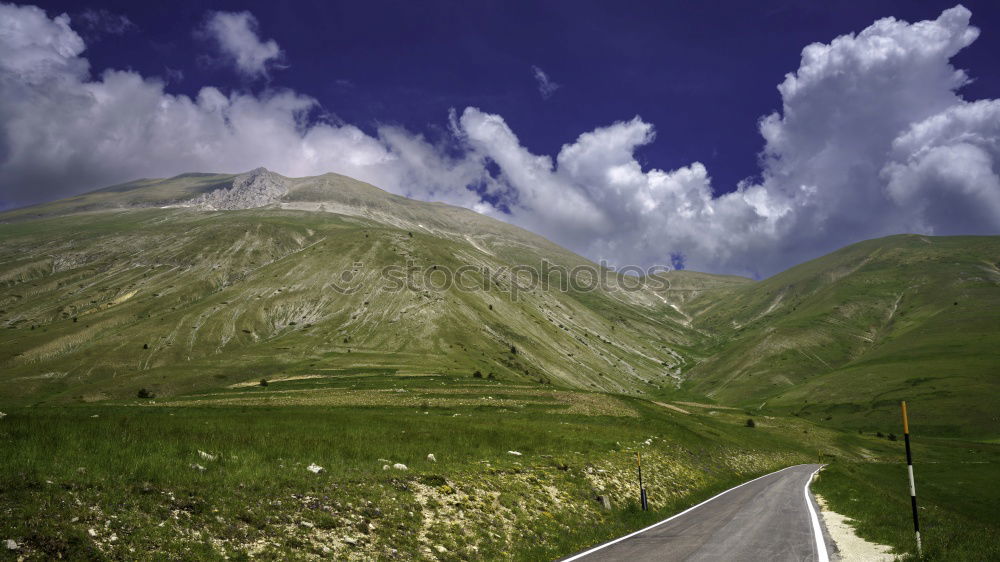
178 354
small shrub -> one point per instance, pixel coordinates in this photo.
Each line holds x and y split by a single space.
144 346
891 437
879 434
751 423
263 382
434 480
513 350
145 394
491 377
477 375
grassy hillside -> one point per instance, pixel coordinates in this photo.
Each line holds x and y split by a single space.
845 337
98 304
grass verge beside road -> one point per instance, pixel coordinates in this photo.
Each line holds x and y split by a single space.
956 491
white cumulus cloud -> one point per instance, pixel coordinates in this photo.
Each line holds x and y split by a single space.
546 86
235 33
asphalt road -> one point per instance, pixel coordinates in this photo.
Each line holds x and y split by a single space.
772 519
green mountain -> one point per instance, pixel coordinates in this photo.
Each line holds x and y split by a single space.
845 337
205 280
148 284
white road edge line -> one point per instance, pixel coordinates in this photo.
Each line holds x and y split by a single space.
672 517
821 553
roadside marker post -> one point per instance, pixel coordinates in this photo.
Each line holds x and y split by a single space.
642 490
913 486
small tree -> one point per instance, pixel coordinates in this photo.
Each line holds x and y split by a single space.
145 394
751 423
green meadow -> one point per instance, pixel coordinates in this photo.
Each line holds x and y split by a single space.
204 476
137 331
959 501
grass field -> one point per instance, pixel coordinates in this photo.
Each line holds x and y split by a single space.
956 491
128 479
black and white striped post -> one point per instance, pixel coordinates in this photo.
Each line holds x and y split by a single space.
913 486
642 490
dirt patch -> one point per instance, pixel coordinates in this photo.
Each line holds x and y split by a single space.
564 402
282 379
671 407
852 547
711 406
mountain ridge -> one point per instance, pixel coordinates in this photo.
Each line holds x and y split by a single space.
249 292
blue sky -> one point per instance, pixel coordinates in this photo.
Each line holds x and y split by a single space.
702 72
458 88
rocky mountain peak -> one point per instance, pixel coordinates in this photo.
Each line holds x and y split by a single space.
257 188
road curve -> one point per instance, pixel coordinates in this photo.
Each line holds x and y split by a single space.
772 518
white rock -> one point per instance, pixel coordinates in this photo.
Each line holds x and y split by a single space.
306 524
207 456
96 416
350 540
647 442
432 458
400 466
515 453
326 550
441 549
92 532
385 467
314 468
2 415
197 467
383 460
10 544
